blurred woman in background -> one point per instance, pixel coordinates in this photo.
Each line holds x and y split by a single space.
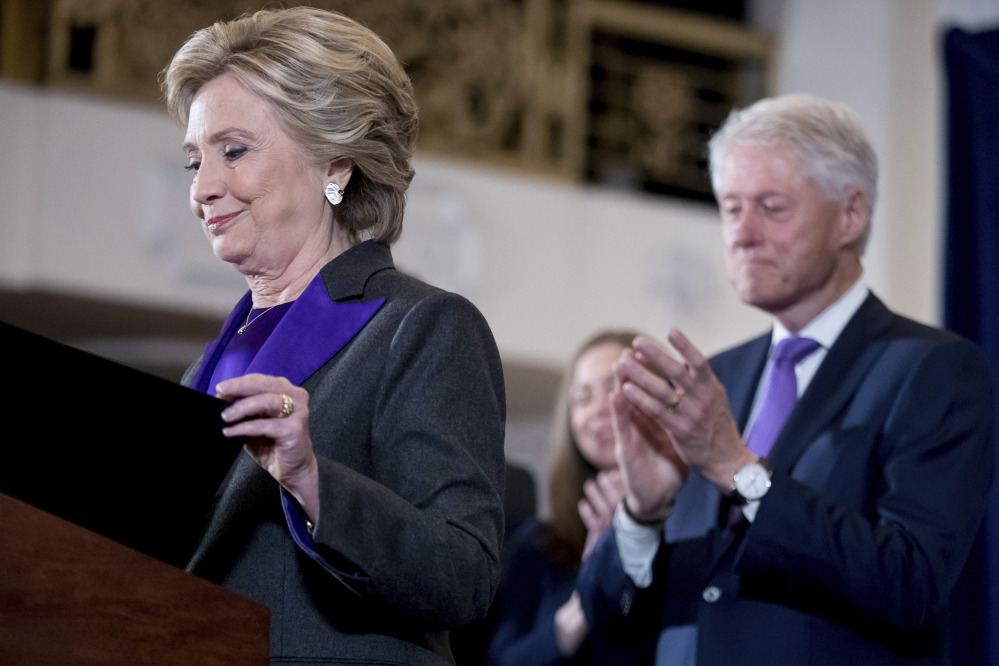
538 615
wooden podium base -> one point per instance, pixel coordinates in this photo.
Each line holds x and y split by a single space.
71 596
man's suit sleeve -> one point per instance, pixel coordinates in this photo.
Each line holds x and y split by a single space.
614 606
877 526
625 613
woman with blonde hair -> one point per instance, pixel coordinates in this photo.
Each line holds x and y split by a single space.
366 509
539 619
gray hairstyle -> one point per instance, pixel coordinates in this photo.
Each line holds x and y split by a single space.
827 137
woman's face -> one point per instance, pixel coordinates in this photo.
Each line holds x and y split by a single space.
589 404
259 200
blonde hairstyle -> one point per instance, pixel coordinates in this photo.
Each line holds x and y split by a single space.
337 90
827 137
569 469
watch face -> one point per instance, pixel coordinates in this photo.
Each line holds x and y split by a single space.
752 481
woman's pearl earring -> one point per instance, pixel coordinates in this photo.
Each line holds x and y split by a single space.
334 193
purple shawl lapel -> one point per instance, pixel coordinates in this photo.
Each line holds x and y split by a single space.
310 333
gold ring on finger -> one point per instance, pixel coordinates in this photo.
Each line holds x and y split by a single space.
287 406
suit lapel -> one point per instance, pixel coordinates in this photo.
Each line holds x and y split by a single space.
310 333
844 368
316 326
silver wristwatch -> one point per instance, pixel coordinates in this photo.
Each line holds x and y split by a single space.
751 482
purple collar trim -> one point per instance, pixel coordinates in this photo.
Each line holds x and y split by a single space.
310 333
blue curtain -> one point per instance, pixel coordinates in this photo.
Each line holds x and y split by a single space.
971 291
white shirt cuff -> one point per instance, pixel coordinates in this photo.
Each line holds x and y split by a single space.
636 546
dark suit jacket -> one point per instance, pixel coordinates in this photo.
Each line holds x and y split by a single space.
534 586
406 418
879 486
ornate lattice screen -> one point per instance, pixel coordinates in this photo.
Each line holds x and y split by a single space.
622 92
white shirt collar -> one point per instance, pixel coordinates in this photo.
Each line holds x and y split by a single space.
827 326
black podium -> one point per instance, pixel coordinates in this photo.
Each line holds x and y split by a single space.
126 454
111 470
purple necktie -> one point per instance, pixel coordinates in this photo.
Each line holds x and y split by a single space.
782 393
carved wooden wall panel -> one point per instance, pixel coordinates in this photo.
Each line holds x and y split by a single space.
614 91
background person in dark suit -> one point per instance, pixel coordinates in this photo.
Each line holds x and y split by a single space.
835 536
367 511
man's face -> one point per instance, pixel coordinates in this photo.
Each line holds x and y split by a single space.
782 234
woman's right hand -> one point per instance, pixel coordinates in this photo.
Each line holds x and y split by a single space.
571 626
273 415
596 509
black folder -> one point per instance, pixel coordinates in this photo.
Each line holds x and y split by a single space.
118 451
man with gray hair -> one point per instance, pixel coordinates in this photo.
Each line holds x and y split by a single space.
810 496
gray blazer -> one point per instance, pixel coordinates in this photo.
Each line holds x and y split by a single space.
407 410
